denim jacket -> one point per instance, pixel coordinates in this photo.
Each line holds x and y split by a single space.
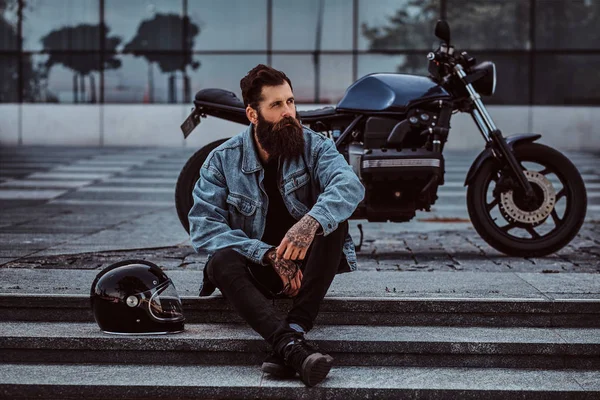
230 203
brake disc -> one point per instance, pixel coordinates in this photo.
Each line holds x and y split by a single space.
513 213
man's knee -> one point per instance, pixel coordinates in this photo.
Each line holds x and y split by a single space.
222 262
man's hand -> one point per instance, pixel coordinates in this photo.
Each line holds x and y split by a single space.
288 271
297 240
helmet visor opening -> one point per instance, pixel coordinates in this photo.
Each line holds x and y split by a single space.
165 305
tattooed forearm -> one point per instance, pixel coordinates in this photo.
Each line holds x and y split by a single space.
283 267
303 232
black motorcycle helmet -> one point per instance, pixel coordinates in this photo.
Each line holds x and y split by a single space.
136 297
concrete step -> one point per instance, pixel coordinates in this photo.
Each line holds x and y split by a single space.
236 344
92 381
526 312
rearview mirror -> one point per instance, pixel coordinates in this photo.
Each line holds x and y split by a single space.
442 31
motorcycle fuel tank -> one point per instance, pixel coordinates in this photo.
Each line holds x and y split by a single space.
390 92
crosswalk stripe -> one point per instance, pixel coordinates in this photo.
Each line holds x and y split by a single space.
39 194
75 169
67 175
18 183
117 189
156 181
132 203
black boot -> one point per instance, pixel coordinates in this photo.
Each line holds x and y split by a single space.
275 365
305 358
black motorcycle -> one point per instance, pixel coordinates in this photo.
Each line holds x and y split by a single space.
523 198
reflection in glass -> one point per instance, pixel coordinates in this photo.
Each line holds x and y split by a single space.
397 24
230 24
572 24
567 79
484 24
224 72
162 19
296 24
66 78
387 63
42 17
300 70
336 76
9 21
151 78
9 79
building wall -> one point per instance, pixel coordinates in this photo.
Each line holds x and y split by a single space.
106 72
568 128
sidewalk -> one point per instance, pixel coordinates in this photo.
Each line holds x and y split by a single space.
82 209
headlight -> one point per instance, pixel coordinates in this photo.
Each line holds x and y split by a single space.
486 85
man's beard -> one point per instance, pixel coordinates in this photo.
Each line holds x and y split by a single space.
284 138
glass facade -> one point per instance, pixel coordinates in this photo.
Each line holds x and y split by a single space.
163 51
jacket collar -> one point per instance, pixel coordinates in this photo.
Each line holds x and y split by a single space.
251 160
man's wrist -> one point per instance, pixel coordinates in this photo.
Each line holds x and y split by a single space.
268 257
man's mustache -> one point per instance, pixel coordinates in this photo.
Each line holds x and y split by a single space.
284 122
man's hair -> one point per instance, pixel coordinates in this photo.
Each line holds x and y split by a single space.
257 77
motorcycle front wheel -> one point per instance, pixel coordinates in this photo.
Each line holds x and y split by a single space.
519 227
189 175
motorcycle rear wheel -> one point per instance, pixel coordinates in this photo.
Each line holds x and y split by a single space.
189 175
550 232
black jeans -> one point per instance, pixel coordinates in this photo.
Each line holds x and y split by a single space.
248 286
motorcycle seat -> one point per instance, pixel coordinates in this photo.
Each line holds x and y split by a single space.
227 98
219 96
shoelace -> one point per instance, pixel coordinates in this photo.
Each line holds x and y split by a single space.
300 349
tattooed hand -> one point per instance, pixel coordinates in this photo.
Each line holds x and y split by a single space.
297 240
288 271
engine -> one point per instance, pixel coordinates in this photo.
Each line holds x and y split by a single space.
399 169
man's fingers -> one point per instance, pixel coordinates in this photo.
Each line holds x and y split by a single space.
293 287
296 253
288 253
296 286
282 247
302 254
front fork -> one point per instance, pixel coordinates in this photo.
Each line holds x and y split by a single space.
493 136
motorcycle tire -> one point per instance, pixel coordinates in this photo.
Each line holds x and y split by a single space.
189 175
535 247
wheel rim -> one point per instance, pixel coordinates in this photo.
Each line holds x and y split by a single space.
510 216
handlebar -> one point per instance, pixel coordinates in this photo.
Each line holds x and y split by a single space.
446 55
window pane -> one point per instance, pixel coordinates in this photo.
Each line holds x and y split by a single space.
146 24
224 71
34 79
67 78
148 78
484 24
229 24
572 24
9 79
405 64
9 21
567 79
397 24
295 24
336 76
301 71
61 25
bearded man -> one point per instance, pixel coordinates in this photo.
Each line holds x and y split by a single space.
271 209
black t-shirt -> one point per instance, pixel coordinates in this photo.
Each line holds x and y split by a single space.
279 220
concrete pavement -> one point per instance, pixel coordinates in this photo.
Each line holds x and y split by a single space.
65 201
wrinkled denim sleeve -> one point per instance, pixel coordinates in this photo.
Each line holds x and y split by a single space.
208 218
341 189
